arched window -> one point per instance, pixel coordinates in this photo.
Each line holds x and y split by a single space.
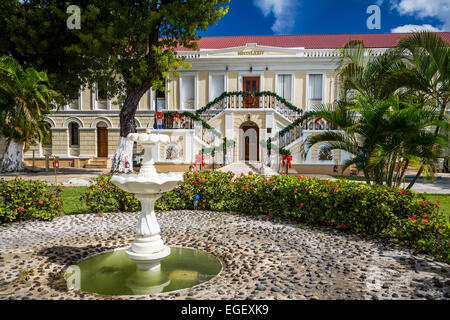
74 134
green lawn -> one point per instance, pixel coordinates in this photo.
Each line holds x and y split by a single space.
443 200
72 202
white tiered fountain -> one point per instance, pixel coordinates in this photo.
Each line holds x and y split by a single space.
147 249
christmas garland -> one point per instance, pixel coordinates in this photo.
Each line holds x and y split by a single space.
249 94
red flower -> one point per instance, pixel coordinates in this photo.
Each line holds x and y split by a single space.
250 172
436 205
41 202
301 204
245 185
334 188
195 172
21 208
56 199
187 191
270 215
304 190
413 217
343 225
202 180
265 181
299 177
195 182
424 221
401 192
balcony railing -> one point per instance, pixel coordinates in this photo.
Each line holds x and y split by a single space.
249 100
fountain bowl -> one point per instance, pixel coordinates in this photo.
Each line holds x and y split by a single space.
140 184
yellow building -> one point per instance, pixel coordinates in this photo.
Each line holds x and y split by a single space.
301 70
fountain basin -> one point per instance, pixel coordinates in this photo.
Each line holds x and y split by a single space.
155 184
113 273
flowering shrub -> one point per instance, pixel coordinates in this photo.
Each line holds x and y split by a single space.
369 210
28 200
103 195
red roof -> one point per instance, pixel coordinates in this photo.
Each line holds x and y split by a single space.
317 41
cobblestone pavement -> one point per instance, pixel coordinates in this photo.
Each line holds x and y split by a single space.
262 258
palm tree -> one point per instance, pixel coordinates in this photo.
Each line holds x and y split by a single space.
428 59
372 74
25 99
385 137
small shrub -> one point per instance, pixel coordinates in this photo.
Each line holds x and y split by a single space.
103 195
28 200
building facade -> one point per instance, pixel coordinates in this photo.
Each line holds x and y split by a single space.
300 70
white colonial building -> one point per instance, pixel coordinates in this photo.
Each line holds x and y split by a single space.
300 69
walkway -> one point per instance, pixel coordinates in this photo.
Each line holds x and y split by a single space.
262 258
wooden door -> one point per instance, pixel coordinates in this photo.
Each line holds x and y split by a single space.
248 143
251 84
102 141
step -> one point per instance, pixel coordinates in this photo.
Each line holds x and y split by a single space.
246 166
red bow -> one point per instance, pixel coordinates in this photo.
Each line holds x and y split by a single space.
176 115
318 119
199 158
289 159
159 115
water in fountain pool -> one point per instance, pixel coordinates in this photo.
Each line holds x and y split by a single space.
113 273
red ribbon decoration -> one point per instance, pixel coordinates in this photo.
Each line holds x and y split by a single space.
159 115
199 158
176 115
289 159
318 119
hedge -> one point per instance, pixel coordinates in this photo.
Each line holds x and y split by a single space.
380 212
28 200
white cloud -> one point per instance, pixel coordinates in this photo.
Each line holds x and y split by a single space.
284 12
438 9
414 27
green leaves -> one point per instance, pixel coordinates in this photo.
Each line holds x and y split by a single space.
28 200
380 212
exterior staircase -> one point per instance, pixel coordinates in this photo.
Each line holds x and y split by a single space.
245 166
98 163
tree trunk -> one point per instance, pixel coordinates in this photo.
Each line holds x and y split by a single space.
124 149
12 159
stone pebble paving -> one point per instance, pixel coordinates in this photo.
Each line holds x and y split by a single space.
262 258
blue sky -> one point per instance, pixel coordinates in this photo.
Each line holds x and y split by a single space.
268 17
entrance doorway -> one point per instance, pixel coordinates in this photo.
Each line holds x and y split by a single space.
102 140
251 84
249 142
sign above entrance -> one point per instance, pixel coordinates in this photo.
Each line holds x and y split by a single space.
250 53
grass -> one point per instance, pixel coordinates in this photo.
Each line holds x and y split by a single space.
442 199
72 203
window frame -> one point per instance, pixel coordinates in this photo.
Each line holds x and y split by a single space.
308 74
183 75
277 88
225 83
